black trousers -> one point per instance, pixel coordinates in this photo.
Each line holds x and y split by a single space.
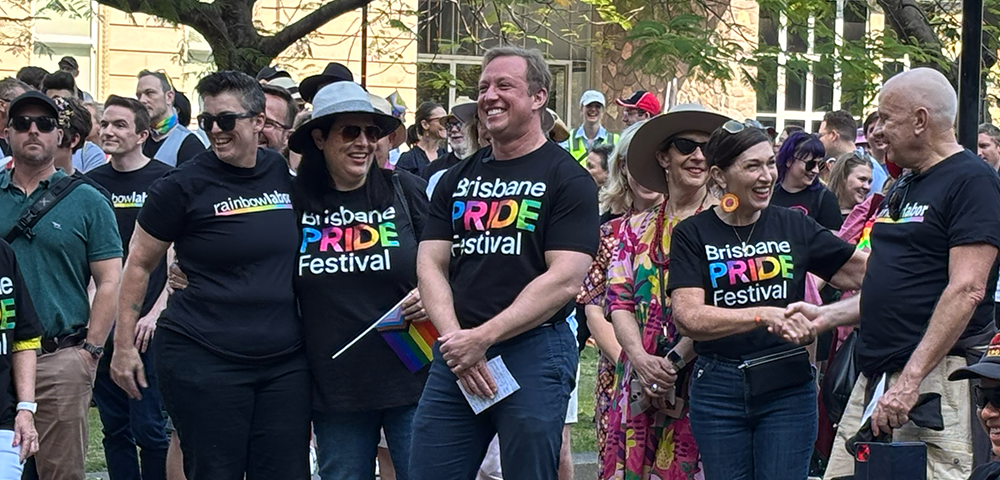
235 419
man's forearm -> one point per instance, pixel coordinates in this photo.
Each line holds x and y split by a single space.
23 367
950 318
839 314
538 302
435 293
102 312
135 280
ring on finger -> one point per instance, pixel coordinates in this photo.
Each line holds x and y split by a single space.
654 388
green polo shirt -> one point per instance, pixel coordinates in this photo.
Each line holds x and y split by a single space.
55 263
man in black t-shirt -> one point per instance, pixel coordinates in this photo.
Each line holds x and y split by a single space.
169 141
128 424
508 241
927 296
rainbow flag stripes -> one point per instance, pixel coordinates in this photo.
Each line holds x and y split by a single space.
410 340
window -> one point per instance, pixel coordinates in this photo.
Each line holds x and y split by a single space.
68 34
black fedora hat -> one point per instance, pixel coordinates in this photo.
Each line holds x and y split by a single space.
334 72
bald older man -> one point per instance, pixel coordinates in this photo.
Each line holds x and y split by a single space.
927 297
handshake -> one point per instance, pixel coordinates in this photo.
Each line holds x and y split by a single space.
796 324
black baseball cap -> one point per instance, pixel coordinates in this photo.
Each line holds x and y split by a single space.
69 63
988 366
33 97
270 73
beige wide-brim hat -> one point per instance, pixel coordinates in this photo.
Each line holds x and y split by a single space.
553 126
641 155
383 106
463 110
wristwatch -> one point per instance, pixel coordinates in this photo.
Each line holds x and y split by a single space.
94 350
29 406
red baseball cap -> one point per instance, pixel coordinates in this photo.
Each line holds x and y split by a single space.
642 100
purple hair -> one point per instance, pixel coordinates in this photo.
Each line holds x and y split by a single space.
799 145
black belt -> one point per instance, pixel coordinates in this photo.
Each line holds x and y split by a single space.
51 345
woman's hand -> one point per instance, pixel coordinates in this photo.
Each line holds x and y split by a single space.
657 374
413 308
795 328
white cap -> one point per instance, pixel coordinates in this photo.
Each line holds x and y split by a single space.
591 96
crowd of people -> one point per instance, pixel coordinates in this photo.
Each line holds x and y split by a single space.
286 275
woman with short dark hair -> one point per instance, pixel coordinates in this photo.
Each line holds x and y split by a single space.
798 187
734 269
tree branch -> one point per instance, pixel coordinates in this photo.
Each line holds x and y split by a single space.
912 26
274 45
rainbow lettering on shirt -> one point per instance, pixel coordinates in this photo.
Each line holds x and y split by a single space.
740 274
8 313
486 206
348 233
265 202
910 213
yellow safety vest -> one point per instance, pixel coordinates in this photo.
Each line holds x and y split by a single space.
578 145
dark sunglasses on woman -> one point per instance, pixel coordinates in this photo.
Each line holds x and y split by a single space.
811 164
349 133
22 123
986 396
685 146
226 121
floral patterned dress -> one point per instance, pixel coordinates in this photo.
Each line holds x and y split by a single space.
594 293
649 445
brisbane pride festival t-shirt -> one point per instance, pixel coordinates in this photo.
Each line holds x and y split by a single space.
759 265
235 234
502 216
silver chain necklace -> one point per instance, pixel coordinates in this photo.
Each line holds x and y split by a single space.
742 242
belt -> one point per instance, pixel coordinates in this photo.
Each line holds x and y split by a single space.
50 345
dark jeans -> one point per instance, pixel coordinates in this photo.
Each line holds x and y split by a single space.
347 442
129 423
450 441
770 437
235 418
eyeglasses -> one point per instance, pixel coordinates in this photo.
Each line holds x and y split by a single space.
272 124
23 123
734 126
811 164
350 133
634 112
685 146
226 121
897 195
435 119
453 124
987 396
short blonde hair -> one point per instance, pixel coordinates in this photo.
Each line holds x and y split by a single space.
616 196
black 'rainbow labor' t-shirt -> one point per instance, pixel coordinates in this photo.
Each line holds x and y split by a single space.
768 270
502 216
18 322
235 235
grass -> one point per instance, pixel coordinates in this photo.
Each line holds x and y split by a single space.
584 433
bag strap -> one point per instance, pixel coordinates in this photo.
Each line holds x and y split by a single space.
40 207
403 203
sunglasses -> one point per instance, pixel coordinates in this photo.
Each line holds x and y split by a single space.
685 146
811 164
453 124
986 396
23 123
733 126
898 194
226 121
350 133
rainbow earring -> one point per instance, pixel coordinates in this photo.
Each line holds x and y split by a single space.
729 203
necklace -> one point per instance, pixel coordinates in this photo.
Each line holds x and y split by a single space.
742 242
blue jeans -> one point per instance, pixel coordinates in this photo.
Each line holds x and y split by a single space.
769 437
346 442
129 423
450 441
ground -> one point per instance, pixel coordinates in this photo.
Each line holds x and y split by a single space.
584 435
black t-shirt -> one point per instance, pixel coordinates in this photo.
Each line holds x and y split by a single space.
190 147
368 257
502 216
819 203
770 271
444 163
18 321
988 471
235 235
954 203
415 160
128 194
90 181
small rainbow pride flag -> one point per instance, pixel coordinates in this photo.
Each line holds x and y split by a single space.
411 341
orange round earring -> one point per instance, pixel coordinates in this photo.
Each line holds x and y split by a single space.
729 203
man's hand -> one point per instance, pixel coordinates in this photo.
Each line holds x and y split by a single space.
462 349
478 381
796 329
893 409
144 330
88 360
814 313
25 434
413 308
128 373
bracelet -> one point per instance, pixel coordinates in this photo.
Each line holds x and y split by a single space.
757 319
29 406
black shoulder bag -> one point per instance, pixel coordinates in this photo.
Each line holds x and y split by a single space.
396 187
40 207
